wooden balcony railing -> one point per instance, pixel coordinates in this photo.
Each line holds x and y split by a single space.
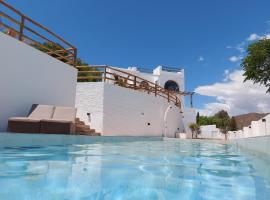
127 80
23 28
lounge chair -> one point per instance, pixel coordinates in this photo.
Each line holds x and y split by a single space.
30 124
62 122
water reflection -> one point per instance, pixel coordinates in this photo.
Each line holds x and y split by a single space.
133 170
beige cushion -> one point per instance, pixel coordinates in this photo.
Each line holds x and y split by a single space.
23 119
56 120
42 112
64 113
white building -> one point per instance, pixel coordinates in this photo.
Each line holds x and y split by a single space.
257 128
114 110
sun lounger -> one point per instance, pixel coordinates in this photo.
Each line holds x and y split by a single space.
62 122
30 124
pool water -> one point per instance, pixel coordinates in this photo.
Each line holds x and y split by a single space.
151 169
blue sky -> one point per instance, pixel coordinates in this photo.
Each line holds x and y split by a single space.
148 33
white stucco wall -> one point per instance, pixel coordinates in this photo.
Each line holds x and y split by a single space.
189 117
29 76
121 111
211 132
89 99
256 129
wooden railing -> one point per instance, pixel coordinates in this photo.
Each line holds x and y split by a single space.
127 80
19 26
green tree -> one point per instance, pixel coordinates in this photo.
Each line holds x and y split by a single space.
195 130
222 114
198 118
224 126
233 124
257 63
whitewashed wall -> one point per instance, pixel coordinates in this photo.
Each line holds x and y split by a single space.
28 76
89 99
178 77
189 117
120 111
211 132
256 129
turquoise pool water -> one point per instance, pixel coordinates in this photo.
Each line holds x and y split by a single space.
132 169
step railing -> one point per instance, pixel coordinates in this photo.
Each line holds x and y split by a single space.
124 79
23 28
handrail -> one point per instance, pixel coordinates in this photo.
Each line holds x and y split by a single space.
127 80
171 69
64 52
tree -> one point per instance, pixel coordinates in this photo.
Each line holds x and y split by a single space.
222 114
223 122
224 126
233 124
195 129
198 118
257 63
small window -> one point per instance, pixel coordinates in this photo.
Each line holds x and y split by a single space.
171 86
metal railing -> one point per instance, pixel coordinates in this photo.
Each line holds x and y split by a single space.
127 80
23 28
171 69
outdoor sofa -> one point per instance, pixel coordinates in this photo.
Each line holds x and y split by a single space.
45 119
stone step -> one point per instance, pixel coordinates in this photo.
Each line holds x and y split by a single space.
93 133
80 123
82 126
83 129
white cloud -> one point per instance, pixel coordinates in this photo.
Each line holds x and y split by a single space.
253 37
267 36
235 58
226 75
201 59
235 96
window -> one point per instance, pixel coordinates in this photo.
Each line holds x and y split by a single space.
171 86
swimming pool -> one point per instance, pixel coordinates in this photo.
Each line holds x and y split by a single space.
129 168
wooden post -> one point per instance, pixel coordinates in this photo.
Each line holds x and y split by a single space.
191 102
135 82
155 89
105 74
75 57
168 96
21 28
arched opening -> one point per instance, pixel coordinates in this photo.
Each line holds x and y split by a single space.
171 86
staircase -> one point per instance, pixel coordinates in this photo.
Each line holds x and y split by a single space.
83 129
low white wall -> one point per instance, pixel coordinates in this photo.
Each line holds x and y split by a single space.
211 132
118 111
29 76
